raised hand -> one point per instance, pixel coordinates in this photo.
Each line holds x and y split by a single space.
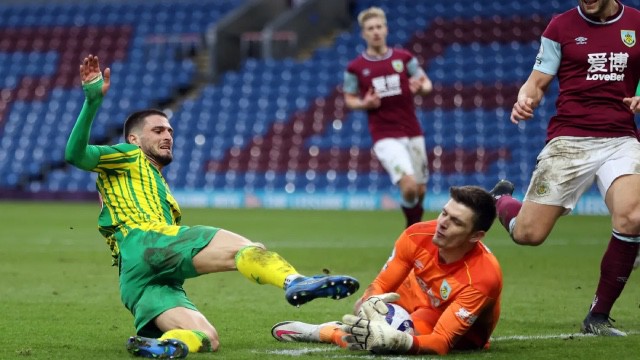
90 73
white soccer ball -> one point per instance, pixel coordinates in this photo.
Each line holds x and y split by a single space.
399 319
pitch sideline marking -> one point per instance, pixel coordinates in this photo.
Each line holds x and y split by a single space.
310 350
548 336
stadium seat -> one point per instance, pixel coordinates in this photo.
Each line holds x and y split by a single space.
272 123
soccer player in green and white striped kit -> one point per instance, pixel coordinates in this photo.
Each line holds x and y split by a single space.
140 220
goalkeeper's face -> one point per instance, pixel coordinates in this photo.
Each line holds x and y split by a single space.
455 229
156 139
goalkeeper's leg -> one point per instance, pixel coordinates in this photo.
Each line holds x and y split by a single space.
297 331
333 335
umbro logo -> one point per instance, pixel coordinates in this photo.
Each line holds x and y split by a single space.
581 40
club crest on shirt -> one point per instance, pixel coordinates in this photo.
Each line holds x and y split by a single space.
542 188
628 37
398 65
445 290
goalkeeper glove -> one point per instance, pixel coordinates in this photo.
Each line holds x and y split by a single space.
374 335
379 303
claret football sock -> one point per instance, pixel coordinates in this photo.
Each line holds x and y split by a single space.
507 208
263 267
615 268
413 214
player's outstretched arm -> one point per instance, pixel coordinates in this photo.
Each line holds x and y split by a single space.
95 85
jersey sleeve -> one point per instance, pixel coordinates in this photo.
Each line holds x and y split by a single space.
549 56
350 83
550 52
455 321
78 152
413 67
395 270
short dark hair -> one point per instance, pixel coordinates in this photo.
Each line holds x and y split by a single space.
479 201
136 119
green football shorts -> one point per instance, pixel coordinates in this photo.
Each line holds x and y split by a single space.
153 268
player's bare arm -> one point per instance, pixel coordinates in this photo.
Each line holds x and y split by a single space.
370 100
530 95
420 84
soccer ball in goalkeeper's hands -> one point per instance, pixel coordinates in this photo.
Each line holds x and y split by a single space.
399 319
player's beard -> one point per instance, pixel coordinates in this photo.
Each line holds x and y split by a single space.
601 6
163 160
160 159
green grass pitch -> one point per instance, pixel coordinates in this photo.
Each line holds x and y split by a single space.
59 295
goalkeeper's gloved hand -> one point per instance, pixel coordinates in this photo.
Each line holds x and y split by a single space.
374 335
379 303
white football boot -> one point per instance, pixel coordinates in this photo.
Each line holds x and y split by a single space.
297 331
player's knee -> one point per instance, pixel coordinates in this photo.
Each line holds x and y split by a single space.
627 222
524 236
212 335
410 194
410 190
260 245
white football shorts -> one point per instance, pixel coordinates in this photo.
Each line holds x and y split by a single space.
403 156
568 166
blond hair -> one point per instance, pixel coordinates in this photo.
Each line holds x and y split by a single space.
369 13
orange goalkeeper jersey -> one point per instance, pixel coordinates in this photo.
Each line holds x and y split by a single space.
461 300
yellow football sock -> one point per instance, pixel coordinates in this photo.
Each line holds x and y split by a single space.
263 267
197 341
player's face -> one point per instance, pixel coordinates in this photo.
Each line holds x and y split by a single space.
156 139
455 227
374 32
596 8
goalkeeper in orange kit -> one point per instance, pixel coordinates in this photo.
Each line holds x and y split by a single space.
441 273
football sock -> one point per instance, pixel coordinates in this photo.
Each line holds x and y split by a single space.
333 335
264 267
508 208
196 340
413 214
615 269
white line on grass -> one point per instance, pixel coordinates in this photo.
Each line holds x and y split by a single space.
331 348
327 349
548 336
